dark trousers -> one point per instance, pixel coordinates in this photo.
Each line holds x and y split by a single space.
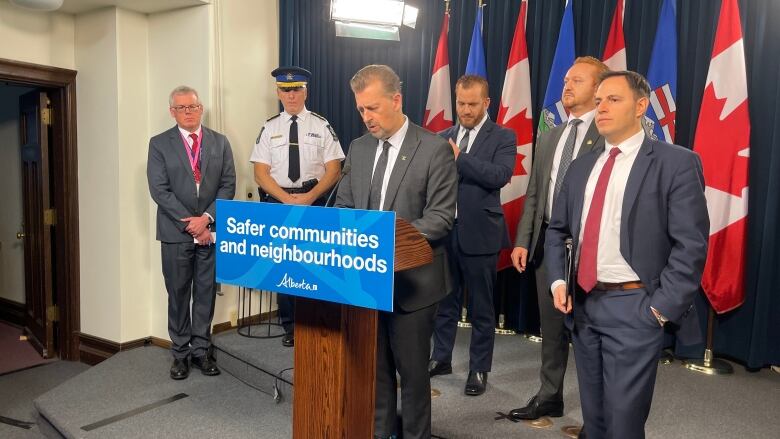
478 274
555 340
403 345
617 341
285 302
189 271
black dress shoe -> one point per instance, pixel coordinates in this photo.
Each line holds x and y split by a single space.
206 365
536 409
288 339
439 368
476 383
180 369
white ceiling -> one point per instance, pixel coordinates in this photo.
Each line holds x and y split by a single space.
142 6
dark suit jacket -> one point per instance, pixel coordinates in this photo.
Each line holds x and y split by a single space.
539 185
422 190
664 227
482 172
172 185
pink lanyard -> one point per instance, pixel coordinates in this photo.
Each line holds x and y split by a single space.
193 160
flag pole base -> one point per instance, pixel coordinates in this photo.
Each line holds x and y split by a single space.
533 338
571 431
501 330
464 324
709 365
666 358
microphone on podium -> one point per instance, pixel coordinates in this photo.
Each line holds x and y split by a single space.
330 201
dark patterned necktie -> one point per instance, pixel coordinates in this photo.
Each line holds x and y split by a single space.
464 142
567 156
194 152
294 159
378 177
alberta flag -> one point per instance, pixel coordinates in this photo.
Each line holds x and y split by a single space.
553 113
515 113
438 109
659 120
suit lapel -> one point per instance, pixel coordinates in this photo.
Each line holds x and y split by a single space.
405 155
643 160
579 199
178 148
591 141
482 135
366 148
206 148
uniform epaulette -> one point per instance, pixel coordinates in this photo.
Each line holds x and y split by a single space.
273 117
318 116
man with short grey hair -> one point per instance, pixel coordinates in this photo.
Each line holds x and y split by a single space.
189 168
401 167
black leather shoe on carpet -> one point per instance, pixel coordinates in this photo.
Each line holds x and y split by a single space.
180 369
439 368
536 409
206 365
288 339
476 383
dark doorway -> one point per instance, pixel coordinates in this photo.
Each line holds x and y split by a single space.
50 188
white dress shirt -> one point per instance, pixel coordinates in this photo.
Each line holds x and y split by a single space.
611 267
582 128
472 134
396 140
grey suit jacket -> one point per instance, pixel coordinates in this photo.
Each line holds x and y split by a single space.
172 185
538 187
422 189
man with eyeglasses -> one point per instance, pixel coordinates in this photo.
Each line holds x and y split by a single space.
297 159
189 168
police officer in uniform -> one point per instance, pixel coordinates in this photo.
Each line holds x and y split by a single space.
297 159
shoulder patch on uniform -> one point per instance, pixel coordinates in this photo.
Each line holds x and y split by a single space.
273 117
318 116
332 133
258 136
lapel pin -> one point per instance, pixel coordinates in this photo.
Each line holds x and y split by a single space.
590 142
403 157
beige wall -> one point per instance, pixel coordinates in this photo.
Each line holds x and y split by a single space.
127 64
98 152
11 215
36 38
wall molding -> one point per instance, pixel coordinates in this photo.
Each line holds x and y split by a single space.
12 312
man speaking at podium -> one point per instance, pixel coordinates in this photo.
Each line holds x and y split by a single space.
401 167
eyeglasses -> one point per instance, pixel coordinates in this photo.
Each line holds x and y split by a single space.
186 108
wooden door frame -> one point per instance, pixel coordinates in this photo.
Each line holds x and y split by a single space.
61 84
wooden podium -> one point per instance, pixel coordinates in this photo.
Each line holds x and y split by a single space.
335 356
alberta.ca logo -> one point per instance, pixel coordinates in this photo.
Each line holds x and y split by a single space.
289 282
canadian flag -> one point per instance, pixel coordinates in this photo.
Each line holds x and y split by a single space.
615 49
723 142
438 109
515 113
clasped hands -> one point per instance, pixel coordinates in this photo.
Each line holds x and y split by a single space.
198 227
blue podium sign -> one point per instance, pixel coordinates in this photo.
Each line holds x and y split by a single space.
324 253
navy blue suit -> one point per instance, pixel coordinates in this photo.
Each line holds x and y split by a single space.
480 232
664 230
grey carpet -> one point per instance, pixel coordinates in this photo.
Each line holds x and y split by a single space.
218 406
19 389
687 405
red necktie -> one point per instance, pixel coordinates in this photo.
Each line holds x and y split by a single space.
195 157
586 273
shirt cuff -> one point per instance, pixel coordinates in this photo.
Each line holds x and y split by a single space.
661 319
556 284
211 218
